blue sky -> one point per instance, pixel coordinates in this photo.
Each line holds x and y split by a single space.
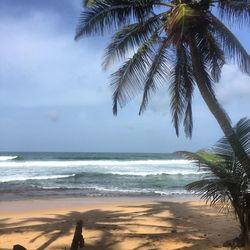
54 95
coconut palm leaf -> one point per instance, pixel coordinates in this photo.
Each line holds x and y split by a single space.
130 38
242 132
176 89
210 190
181 91
204 57
231 46
128 80
235 11
158 71
208 166
188 119
212 54
225 179
109 15
223 182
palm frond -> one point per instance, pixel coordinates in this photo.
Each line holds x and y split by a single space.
203 162
189 84
109 15
157 72
231 46
242 133
129 38
235 11
88 3
129 79
188 119
213 55
199 41
242 130
210 190
177 91
223 181
181 90
226 179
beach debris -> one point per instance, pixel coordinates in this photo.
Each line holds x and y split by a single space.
78 240
18 247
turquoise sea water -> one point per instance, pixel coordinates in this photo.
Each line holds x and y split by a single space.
24 175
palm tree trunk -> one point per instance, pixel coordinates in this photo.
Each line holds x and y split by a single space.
243 219
215 108
246 236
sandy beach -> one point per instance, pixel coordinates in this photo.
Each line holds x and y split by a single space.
114 224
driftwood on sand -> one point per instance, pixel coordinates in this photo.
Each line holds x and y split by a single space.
78 240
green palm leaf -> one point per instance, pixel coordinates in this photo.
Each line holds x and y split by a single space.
181 90
212 55
225 179
242 132
109 15
128 80
130 38
158 71
235 11
231 46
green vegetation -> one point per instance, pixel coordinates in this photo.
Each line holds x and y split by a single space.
208 156
225 182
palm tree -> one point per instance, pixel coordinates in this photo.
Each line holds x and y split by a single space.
179 42
225 182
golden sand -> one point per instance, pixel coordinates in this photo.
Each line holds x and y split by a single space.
114 224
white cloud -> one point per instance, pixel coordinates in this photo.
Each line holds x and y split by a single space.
234 86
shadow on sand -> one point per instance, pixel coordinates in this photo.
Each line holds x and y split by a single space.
118 227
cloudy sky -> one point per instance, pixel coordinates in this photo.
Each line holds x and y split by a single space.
54 95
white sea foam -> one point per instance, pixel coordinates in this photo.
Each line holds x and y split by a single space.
126 191
146 191
7 158
166 172
93 163
25 178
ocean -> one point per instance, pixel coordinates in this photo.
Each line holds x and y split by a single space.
25 175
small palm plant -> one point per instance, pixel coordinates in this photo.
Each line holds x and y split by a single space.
225 181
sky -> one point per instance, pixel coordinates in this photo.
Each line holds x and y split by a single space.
54 95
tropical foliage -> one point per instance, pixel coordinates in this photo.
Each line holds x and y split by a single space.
225 182
180 43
